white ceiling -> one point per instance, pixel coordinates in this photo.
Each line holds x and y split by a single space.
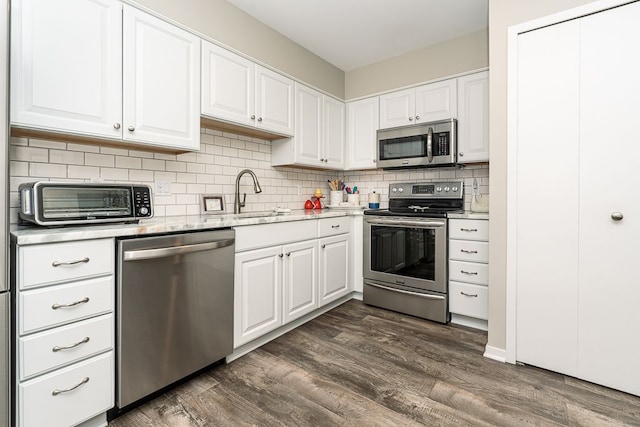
353 33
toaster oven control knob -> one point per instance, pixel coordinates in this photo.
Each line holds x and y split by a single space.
144 210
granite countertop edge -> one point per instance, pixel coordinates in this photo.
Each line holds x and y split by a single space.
31 235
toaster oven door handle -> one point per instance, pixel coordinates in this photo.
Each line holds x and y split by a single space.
416 294
405 222
430 144
175 250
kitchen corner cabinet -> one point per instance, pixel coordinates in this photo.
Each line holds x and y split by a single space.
473 118
237 90
64 360
96 68
362 126
319 139
426 103
469 272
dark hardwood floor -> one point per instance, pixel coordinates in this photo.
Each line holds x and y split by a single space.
362 366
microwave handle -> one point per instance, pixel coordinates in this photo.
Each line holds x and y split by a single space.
430 144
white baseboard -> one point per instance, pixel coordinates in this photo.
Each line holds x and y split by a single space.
494 353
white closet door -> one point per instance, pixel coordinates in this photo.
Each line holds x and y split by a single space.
609 297
547 205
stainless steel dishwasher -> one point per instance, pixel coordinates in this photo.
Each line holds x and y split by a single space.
174 309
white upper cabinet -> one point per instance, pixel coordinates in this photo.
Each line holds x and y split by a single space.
161 82
320 133
237 90
228 85
66 63
362 125
473 118
426 103
67 73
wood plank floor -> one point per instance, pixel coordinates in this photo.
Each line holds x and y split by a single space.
362 366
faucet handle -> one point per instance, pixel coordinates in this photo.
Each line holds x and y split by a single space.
244 199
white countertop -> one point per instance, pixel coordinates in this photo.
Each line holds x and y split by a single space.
31 235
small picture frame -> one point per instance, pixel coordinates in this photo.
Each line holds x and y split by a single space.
211 204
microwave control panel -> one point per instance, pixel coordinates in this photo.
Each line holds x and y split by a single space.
142 201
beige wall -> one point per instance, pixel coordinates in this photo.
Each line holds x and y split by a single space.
467 53
232 27
502 14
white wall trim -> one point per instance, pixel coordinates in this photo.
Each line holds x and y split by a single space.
510 353
494 353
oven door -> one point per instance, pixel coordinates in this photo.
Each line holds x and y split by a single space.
408 252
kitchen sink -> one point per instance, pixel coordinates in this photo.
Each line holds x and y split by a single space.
256 214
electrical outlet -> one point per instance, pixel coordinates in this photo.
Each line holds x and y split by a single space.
163 188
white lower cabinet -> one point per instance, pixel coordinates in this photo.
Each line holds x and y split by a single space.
469 272
64 333
283 271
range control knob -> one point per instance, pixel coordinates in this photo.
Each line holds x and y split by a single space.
144 210
438 189
394 190
400 190
446 189
454 188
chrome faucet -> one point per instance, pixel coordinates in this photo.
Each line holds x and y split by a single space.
256 187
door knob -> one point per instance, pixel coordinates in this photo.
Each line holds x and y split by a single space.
617 216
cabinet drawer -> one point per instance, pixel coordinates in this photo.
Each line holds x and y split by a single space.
36 307
38 406
469 272
469 250
42 352
468 300
333 226
469 229
265 235
60 262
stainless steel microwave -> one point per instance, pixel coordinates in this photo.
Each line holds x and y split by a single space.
425 145
63 203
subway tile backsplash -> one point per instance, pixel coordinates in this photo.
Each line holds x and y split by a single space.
212 170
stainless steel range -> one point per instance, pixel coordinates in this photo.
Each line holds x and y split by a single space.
405 249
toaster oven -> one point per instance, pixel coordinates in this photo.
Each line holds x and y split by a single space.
63 203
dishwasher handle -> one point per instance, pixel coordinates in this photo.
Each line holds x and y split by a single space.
175 250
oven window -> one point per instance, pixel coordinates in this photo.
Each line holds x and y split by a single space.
402 148
74 202
405 251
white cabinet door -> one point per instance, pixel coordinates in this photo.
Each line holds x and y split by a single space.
473 118
362 125
300 279
161 82
397 108
334 271
608 316
308 137
333 134
548 93
66 72
258 294
274 101
228 85
436 101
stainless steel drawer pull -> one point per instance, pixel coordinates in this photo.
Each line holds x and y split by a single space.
78 261
335 226
469 229
69 347
469 295
57 392
468 252
473 273
82 301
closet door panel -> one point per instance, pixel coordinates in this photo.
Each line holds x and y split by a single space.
609 295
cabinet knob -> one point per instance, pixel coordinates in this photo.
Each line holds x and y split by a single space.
288 253
321 160
131 128
116 125
461 154
324 246
617 216
417 117
281 255
410 119
253 117
326 160
259 119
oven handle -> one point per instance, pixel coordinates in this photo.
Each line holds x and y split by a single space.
416 294
405 222
175 250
